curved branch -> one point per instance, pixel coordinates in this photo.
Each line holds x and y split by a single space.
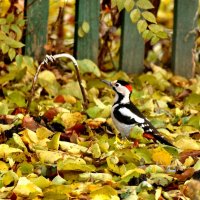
52 58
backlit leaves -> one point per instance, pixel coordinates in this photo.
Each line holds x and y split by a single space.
83 29
135 15
146 20
144 4
129 4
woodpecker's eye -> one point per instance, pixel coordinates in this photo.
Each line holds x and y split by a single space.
117 84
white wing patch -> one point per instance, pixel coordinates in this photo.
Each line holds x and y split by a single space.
128 113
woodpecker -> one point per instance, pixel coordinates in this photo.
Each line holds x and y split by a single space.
125 114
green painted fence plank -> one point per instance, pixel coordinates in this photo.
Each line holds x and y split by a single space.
36 12
87 46
132 47
185 18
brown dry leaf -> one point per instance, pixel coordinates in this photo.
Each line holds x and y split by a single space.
29 123
95 123
185 154
179 81
51 113
191 189
185 175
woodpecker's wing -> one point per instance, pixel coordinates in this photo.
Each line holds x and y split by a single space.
130 115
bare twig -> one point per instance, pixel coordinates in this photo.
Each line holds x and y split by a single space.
52 59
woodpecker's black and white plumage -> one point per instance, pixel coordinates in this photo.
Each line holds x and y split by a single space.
125 114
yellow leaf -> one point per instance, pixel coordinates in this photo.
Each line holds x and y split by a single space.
49 156
41 182
96 151
3 166
161 156
71 119
104 193
187 143
29 136
43 133
25 188
54 143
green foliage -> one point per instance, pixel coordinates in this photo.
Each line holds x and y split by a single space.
146 21
11 28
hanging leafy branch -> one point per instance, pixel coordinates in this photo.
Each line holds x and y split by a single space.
11 28
140 14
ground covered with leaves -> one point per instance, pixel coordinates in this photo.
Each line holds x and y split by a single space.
61 150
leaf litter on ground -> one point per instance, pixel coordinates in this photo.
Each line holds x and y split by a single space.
61 151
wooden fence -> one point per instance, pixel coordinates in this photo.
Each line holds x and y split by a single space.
132 44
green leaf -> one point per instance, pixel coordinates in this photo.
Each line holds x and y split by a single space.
25 168
129 4
3 108
132 173
41 182
113 3
141 25
75 165
149 16
144 4
20 22
5 28
194 121
120 5
135 15
54 143
88 66
85 27
162 35
147 34
19 60
72 88
155 28
161 179
10 18
17 98
11 53
17 30
48 81
4 48
2 21
154 40
10 42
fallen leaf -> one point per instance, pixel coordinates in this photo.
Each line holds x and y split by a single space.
161 156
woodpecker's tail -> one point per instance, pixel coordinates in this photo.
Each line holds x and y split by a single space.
161 138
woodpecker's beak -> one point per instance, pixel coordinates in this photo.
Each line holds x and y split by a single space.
107 82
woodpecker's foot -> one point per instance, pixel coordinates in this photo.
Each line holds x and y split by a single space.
149 136
136 143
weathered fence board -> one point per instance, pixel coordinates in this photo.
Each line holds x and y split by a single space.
36 13
132 44
87 46
132 47
185 18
